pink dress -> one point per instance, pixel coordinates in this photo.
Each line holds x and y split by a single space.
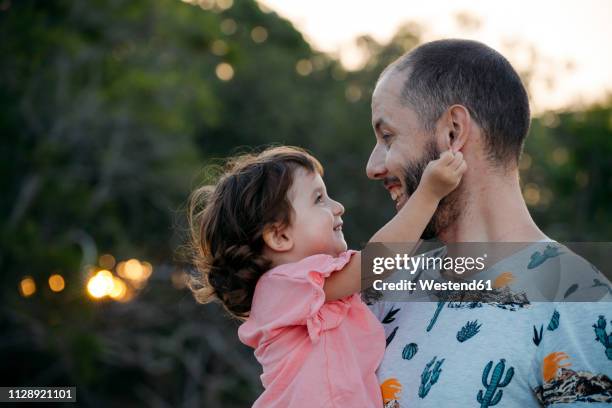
314 354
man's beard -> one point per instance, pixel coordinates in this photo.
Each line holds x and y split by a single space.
448 210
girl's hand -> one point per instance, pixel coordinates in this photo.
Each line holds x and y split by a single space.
443 175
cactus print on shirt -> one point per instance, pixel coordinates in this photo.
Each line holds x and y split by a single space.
473 354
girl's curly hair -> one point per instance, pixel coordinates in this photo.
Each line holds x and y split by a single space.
227 222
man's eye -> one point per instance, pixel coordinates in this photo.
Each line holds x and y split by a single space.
386 137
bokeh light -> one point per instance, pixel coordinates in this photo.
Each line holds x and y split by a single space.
56 282
550 120
27 286
353 93
225 4
133 270
119 289
303 67
132 275
204 4
101 284
532 194
582 178
560 155
219 47
147 269
106 261
224 71
525 162
259 34
228 26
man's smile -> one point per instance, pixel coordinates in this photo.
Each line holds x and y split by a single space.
396 190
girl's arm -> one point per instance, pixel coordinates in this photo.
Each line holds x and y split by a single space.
440 177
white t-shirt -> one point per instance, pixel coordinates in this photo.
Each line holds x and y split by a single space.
471 354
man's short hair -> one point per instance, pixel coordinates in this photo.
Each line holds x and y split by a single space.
442 73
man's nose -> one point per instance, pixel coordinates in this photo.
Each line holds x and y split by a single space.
376 168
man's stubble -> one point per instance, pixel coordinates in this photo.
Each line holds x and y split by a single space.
449 209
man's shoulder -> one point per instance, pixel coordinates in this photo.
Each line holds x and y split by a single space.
572 259
561 272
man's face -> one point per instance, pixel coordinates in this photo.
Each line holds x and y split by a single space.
403 149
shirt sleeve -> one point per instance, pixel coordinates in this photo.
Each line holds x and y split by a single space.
573 362
293 295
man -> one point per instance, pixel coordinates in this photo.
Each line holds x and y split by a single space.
464 96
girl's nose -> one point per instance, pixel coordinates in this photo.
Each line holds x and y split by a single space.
338 208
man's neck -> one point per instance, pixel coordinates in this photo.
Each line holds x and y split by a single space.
493 211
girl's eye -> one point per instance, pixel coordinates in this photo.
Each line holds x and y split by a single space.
318 199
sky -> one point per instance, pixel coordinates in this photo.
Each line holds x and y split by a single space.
572 38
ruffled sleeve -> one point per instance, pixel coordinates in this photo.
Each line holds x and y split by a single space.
291 295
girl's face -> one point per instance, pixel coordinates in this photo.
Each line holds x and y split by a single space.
316 227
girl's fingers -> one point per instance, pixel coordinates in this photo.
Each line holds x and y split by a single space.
459 164
455 161
446 157
461 168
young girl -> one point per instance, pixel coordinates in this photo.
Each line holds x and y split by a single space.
270 247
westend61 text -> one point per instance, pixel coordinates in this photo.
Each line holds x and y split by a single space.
458 264
429 285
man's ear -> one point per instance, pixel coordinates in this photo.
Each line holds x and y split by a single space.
278 237
458 127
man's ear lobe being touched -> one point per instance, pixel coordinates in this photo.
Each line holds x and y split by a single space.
459 126
278 237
